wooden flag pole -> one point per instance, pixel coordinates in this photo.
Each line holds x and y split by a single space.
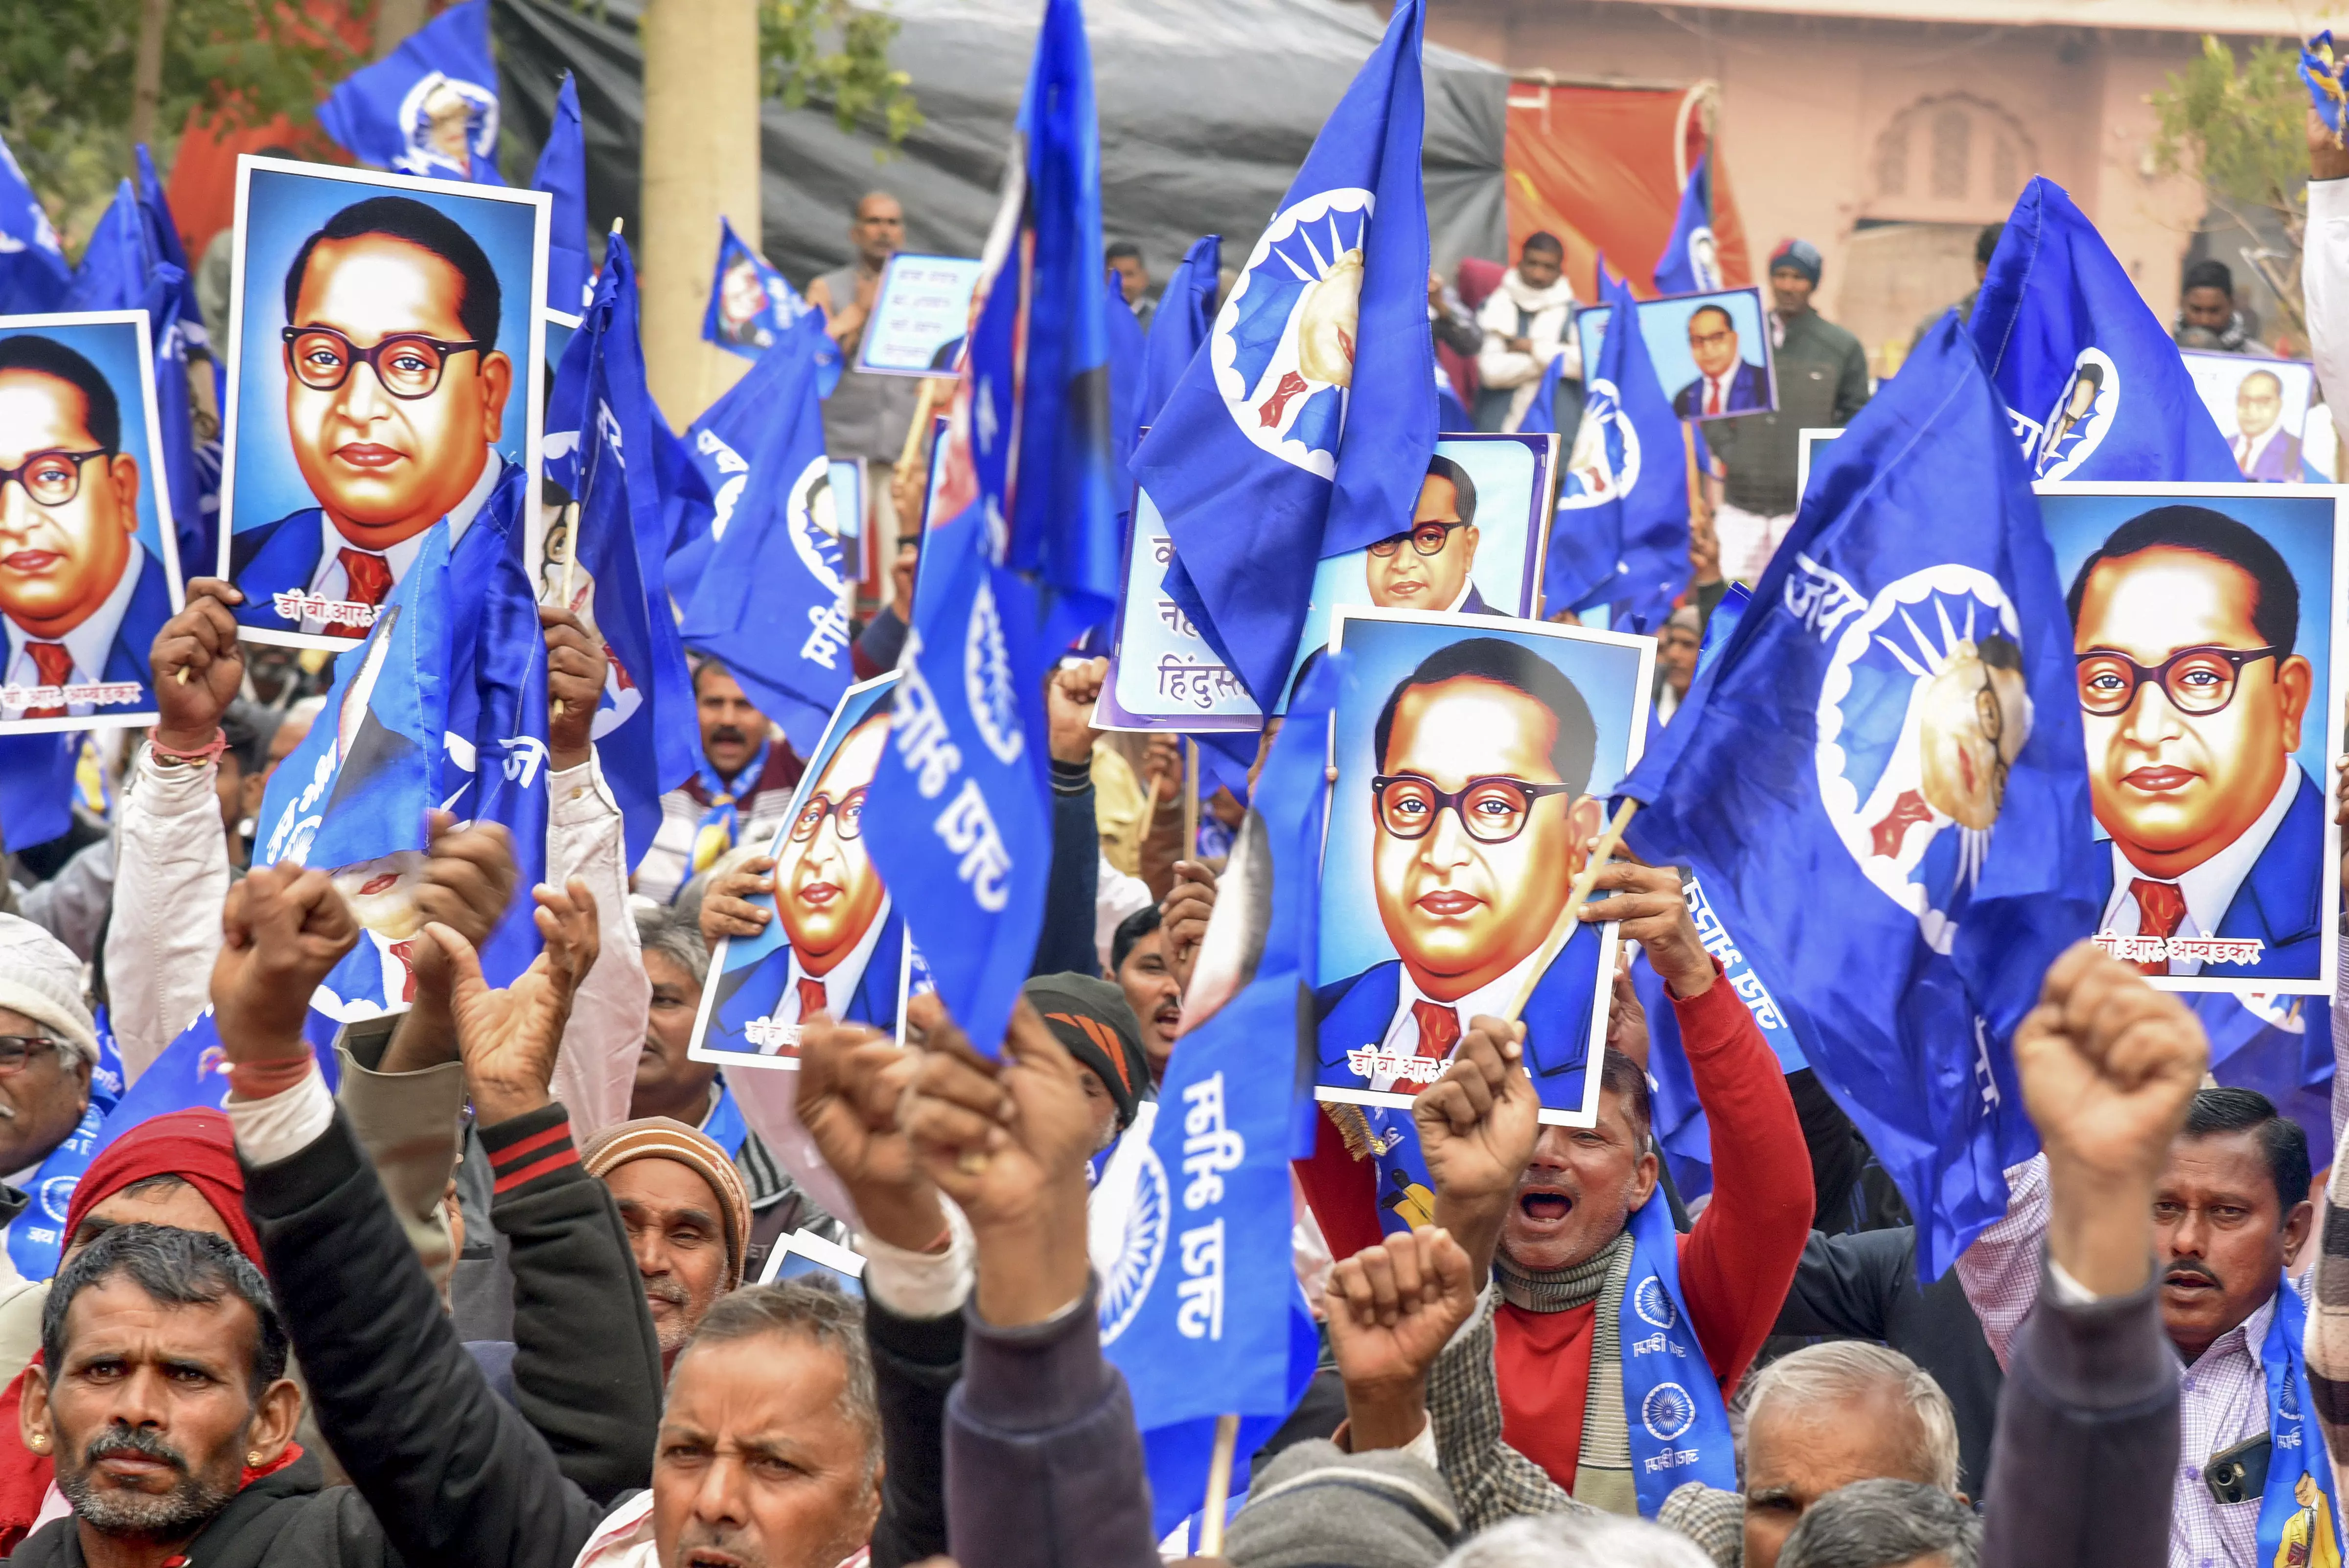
1190 799
1219 1487
1570 917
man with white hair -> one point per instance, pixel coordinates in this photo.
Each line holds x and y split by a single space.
1577 1540
1817 1421
48 1046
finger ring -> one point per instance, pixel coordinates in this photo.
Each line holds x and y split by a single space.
971 1161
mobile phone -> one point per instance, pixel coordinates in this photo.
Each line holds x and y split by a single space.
2240 1474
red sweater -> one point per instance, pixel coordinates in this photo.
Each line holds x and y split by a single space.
1736 1264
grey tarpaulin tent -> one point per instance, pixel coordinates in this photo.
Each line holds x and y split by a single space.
1207 109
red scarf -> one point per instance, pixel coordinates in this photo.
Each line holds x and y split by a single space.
197 1146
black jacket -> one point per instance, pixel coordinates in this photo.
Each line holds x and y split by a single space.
447 1473
917 1362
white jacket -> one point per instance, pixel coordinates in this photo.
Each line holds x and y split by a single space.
1516 309
2325 285
172 877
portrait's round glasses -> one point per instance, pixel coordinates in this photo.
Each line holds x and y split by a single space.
51 478
1427 538
16 1050
2198 682
407 364
848 815
1493 810
1713 339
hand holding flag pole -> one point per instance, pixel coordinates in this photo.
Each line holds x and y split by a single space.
1570 917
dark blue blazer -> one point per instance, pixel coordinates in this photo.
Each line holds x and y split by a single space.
1749 390
143 621
1474 603
758 990
282 557
1355 1012
2282 902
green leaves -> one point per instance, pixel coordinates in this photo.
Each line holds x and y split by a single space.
2241 127
66 79
830 52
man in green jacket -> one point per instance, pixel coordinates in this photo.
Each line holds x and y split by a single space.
1822 378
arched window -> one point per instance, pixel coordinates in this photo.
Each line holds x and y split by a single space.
1949 158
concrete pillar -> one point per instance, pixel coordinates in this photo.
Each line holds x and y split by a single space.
701 162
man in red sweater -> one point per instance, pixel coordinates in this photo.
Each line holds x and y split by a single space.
1545 1208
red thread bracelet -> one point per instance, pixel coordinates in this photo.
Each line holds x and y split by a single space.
196 758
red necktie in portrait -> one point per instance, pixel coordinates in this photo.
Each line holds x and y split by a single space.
2160 910
812 998
1439 1031
369 583
1712 397
56 666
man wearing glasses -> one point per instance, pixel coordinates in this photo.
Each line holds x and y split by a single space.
1480 820
395 397
835 914
1726 382
1427 568
82 598
2192 700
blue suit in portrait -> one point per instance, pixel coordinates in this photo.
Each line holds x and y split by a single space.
755 990
284 557
1749 392
1353 1014
2281 903
143 621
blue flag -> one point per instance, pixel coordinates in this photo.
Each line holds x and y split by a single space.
752 306
2321 70
602 450
1202 1311
2281 1047
768 603
1125 344
561 174
1620 534
34 274
1027 560
1180 325
430 108
352 795
2094 387
1882 783
124 268
1262 462
36 787
1691 260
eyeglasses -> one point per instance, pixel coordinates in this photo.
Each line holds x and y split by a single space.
2198 682
1493 809
407 364
16 1050
51 478
1711 339
848 815
1427 538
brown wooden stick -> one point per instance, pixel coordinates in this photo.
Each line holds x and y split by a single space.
1219 1487
1190 799
1570 917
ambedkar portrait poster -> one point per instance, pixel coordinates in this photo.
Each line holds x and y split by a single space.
2261 408
2206 624
386 371
1471 766
1474 545
837 944
88 568
1711 351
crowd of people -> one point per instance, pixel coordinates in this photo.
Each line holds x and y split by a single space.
482 1284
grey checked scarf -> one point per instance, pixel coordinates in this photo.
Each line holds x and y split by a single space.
1602 1470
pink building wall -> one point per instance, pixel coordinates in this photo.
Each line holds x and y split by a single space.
1834 127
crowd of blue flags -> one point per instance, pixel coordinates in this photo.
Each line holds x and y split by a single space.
1880 941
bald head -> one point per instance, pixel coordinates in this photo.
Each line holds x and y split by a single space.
878 230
